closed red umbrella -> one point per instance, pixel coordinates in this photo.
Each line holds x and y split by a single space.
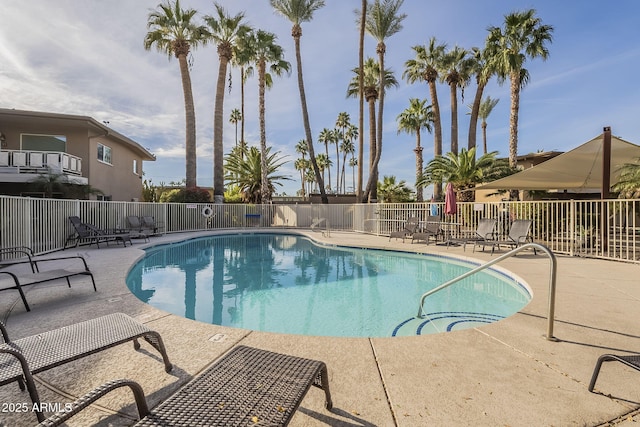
450 205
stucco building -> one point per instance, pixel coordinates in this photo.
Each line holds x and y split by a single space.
75 150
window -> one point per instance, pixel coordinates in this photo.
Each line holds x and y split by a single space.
104 153
36 142
135 166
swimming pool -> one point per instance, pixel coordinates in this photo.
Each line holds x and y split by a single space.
289 284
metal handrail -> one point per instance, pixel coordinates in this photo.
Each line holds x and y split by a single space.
552 281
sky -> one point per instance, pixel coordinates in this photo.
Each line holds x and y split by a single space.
87 58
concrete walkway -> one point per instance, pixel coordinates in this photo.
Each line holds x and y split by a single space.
505 373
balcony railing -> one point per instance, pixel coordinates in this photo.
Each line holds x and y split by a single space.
28 161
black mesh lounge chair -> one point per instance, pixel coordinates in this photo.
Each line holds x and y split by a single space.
246 387
407 231
150 223
519 234
22 358
136 229
430 229
632 361
84 231
24 255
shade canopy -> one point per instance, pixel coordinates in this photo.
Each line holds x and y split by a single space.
579 169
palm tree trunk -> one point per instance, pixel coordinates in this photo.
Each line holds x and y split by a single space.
358 189
190 123
513 126
297 33
242 81
372 143
265 194
337 166
419 166
372 184
437 133
484 137
454 118
218 125
326 151
473 120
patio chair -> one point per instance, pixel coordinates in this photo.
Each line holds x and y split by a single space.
632 361
150 223
247 386
407 231
25 255
84 231
25 357
431 229
136 229
519 234
486 230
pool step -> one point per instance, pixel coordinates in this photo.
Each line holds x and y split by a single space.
449 321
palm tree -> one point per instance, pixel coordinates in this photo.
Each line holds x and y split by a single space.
225 31
628 185
298 11
381 22
324 163
359 162
464 171
416 117
342 122
302 148
301 165
266 51
173 32
242 58
482 69
392 191
371 84
327 136
455 71
523 36
234 118
424 67
245 170
347 147
486 106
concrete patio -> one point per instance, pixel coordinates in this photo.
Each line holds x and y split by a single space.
505 373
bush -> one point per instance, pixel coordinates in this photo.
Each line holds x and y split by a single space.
186 195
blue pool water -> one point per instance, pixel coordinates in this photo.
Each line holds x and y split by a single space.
289 284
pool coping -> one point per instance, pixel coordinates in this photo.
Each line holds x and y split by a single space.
501 373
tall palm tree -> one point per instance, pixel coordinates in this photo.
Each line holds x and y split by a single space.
173 31
358 189
412 120
301 165
267 51
299 11
242 58
342 122
455 71
463 171
486 106
225 31
482 69
424 68
347 147
327 136
523 36
371 78
246 171
234 118
382 21
324 163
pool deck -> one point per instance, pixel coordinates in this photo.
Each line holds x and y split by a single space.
505 373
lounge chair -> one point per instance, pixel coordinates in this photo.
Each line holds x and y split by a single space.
632 361
246 387
149 223
407 231
431 229
18 280
316 223
20 359
136 229
486 230
84 231
519 234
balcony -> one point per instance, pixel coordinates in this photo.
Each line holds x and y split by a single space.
25 165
